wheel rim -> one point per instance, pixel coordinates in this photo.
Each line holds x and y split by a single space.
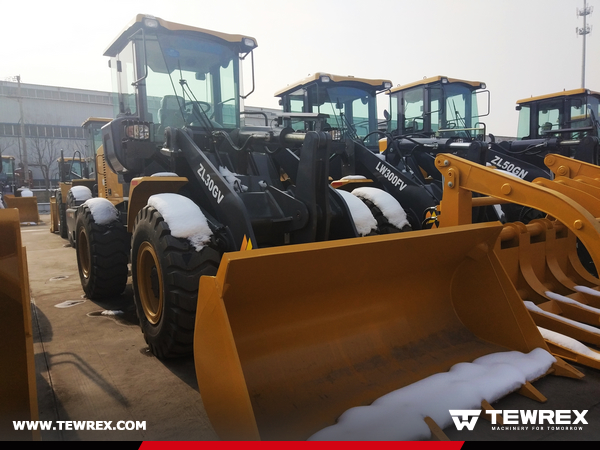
83 251
149 281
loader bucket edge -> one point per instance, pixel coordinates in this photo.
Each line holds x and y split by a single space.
27 206
288 338
17 373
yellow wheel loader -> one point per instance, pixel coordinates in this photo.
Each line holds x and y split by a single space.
545 258
72 171
7 176
442 115
567 120
9 194
82 178
346 107
291 316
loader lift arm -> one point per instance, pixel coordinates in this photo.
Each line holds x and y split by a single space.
462 178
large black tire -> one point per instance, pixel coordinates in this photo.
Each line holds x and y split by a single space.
62 215
383 225
102 256
166 271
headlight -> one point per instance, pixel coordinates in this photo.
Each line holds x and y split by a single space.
137 130
150 22
336 135
249 43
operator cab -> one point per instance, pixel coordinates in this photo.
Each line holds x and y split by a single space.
170 76
439 107
7 175
73 168
345 106
569 115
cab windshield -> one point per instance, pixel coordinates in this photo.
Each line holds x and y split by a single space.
94 141
191 82
448 110
350 110
7 176
572 117
583 113
460 109
8 166
178 81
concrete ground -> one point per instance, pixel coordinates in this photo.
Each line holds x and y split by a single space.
96 367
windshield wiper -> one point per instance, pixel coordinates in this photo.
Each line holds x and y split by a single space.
460 119
199 112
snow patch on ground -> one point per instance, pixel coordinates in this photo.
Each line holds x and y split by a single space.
398 416
363 219
81 193
183 217
103 211
570 343
388 205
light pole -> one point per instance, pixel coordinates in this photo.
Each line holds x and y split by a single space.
23 143
584 31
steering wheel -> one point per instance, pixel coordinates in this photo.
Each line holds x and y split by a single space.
191 107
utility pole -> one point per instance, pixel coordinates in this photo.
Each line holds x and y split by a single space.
23 146
587 10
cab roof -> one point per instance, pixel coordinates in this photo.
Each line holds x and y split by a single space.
378 84
148 23
91 120
438 79
572 92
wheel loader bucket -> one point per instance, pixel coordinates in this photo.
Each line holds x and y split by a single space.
288 338
27 206
17 373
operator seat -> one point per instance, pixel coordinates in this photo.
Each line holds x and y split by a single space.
169 114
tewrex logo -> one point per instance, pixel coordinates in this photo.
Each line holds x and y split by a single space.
465 418
523 419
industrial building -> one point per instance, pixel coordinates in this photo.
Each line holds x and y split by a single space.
52 118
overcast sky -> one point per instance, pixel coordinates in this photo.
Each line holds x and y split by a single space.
519 48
